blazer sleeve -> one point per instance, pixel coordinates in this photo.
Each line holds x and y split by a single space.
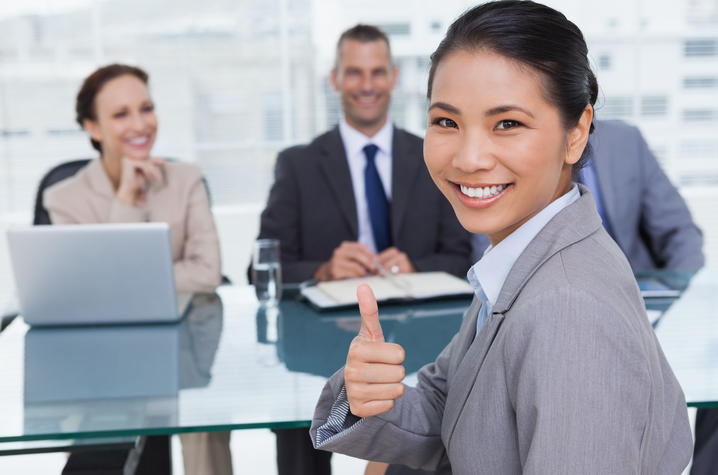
199 268
281 219
59 214
453 247
410 433
666 225
580 387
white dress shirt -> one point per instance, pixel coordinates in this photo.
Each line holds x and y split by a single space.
354 142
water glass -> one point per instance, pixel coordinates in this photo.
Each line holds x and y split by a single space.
267 272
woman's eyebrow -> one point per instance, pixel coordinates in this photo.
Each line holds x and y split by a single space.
444 106
507 108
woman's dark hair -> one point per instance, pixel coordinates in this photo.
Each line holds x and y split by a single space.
534 35
85 104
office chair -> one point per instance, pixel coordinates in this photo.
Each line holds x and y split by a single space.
68 169
6 320
57 173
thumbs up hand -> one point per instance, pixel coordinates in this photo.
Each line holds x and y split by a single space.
373 371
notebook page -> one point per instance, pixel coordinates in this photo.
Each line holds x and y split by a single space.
416 285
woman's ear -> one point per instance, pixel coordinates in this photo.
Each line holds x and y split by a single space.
578 136
92 128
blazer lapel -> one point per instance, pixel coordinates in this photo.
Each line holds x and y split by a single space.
406 163
99 181
333 164
572 224
468 369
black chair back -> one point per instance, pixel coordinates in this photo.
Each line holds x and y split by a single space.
57 173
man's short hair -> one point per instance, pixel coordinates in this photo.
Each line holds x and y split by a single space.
363 34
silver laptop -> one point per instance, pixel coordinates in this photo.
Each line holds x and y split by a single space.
93 274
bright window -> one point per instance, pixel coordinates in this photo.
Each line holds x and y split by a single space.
236 81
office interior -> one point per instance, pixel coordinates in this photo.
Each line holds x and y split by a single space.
236 81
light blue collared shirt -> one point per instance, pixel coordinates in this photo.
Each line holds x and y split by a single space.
488 275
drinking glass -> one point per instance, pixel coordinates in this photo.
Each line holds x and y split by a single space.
267 272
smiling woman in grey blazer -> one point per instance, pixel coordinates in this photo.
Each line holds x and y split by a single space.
555 369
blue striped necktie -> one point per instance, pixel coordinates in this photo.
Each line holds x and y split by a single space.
376 200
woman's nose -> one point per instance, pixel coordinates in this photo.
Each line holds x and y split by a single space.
138 122
475 153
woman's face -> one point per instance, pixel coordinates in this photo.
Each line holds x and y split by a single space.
494 146
126 123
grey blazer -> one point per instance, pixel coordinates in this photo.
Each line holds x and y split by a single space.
311 208
648 217
565 377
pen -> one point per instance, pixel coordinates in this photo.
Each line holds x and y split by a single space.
308 283
393 278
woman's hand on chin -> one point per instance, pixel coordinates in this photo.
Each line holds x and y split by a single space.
136 177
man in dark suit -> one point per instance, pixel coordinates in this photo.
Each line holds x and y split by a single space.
356 199
321 206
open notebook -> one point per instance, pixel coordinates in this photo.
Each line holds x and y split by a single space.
396 288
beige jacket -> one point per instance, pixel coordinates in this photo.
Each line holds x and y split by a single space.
181 201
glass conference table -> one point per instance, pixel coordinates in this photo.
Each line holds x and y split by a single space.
230 364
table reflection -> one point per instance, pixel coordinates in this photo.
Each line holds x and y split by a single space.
79 379
316 343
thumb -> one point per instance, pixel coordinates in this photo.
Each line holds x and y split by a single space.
370 326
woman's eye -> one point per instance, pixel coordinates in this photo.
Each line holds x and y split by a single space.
149 108
446 123
507 124
120 115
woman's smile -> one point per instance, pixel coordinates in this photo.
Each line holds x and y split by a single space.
482 195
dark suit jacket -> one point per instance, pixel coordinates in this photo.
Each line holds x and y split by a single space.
648 217
311 208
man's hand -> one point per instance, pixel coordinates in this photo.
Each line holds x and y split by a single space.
392 259
136 176
373 371
350 259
